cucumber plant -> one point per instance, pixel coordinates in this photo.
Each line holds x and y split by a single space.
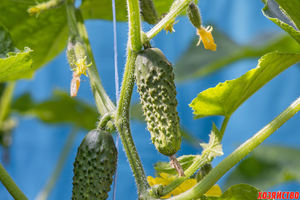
185 177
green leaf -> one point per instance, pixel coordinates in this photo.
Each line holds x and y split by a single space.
226 97
213 148
14 64
101 9
61 108
197 62
6 44
285 14
185 161
46 34
238 192
267 166
291 8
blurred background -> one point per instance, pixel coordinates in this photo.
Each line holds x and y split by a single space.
36 145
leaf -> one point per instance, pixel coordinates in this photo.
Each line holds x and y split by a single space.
6 44
267 166
238 192
14 64
101 9
226 97
185 161
196 62
213 148
285 14
292 8
61 108
46 34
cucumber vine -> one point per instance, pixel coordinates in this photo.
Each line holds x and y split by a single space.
96 159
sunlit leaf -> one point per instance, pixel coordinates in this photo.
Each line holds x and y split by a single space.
61 108
285 14
102 9
46 34
267 166
14 64
196 62
226 97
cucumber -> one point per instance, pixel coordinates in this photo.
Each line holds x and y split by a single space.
148 11
94 166
193 13
155 81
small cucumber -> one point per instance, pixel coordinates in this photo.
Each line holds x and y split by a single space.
94 166
155 81
148 11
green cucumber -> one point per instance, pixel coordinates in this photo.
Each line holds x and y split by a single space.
148 11
155 81
94 166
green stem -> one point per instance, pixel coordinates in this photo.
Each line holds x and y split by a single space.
123 125
173 13
216 173
135 40
122 116
44 193
10 185
224 125
5 101
77 28
197 164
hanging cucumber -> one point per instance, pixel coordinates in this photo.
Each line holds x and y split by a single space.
155 81
94 166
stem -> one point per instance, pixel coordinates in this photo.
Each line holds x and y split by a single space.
123 125
199 162
5 101
10 185
216 173
224 125
135 40
122 116
77 28
173 13
44 193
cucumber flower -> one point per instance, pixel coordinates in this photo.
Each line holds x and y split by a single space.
206 37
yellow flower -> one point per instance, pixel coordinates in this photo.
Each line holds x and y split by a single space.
214 191
81 66
207 38
165 179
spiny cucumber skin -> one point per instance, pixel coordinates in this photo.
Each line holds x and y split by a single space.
148 11
155 81
194 15
94 166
